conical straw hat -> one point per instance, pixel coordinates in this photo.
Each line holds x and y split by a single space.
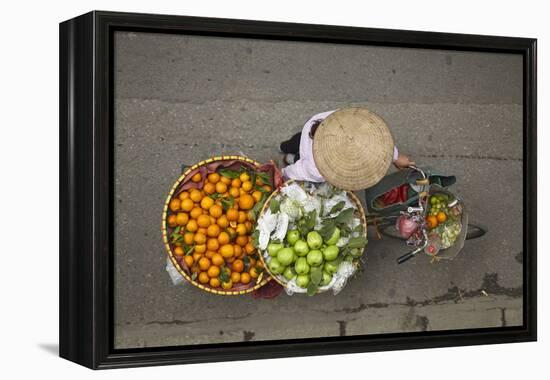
353 148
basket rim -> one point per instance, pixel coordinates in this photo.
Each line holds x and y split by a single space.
261 281
350 193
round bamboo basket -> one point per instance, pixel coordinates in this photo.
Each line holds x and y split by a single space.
262 279
360 212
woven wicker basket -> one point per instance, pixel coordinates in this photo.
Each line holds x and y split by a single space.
360 213
262 279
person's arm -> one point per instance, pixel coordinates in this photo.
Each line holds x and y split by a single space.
293 171
401 161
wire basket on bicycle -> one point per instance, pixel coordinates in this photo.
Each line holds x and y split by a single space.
417 205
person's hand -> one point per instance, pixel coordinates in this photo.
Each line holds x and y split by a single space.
403 162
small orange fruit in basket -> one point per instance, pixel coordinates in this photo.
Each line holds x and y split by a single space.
195 195
431 220
244 177
245 278
235 277
216 211
203 278
222 221
234 192
203 220
246 186
213 231
174 205
195 212
257 195
237 266
182 218
213 178
209 188
214 282
246 202
217 259
232 215
172 221
249 248
441 217
221 187
213 271
227 250
189 260
241 229
206 203
242 217
199 238
187 205
192 226
241 240
204 263
196 178
254 272
223 238
227 285
188 238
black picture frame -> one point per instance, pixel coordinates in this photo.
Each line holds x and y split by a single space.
86 189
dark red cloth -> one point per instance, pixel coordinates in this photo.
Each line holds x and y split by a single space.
269 168
269 291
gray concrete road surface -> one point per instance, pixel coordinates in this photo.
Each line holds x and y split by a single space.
181 99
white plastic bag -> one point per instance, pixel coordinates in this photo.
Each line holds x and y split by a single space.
340 278
334 200
175 276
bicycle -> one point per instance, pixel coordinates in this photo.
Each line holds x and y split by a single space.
415 209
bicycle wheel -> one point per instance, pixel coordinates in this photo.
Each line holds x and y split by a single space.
388 229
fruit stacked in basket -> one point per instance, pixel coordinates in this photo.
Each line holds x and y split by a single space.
311 236
208 221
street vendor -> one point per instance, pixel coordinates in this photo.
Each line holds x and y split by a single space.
351 148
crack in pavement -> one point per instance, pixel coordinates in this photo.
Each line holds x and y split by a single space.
248 335
489 285
172 322
361 307
182 322
503 316
342 327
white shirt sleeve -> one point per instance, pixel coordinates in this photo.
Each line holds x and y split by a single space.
304 169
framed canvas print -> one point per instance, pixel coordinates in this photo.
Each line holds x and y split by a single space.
236 189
